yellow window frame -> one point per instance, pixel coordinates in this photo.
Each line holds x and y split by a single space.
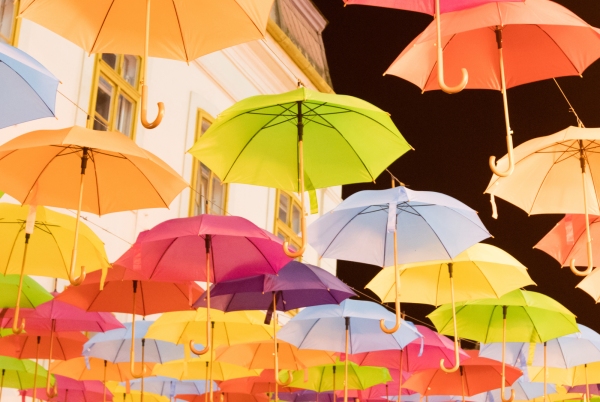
285 228
15 29
201 115
121 87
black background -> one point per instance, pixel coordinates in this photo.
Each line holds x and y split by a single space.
454 135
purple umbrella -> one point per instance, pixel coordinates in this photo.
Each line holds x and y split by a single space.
296 285
74 391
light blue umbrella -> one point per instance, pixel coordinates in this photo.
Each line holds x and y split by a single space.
170 387
28 88
349 327
516 353
524 391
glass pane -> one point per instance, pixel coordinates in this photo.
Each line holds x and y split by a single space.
281 236
103 101
201 187
130 69
124 115
296 219
284 208
110 59
6 19
218 197
204 126
99 125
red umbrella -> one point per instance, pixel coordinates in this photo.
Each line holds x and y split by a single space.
227 397
476 375
74 391
30 345
263 383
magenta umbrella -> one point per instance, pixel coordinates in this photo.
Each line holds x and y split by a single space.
56 316
71 390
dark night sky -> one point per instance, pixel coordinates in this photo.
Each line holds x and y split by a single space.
454 135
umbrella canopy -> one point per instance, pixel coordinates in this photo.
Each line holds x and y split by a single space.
29 89
259 355
20 374
74 391
83 369
570 350
580 389
481 271
170 387
476 375
524 391
297 285
36 344
578 375
33 294
114 346
196 369
422 6
227 397
120 395
331 377
263 383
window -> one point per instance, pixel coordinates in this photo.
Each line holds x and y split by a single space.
206 185
288 211
9 25
115 93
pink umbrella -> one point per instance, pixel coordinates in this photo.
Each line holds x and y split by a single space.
502 45
434 8
206 248
73 391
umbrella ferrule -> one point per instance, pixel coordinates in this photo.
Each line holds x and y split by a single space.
347 323
450 269
498 32
504 310
300 122
84 160
207 240
27 236
135 284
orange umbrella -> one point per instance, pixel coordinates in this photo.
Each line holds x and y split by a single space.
51 167
227 397
173 29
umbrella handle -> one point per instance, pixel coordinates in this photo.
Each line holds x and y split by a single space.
456 347
132 349
198 352
276 348
397 284
440 59
587 222
15 326
511 162
52 392
144 110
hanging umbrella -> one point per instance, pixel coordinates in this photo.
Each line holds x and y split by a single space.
304 140
594 389
180 30
74 391
502 45
44 253
49 167
561 394
33 294
518 316
137 396
261 384
545 180
20 374
197 369
226 397
84 369
295 286
572 376
170 387
425 226
29 89
351 327
524 391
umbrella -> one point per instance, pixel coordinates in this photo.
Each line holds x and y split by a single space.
476 375
578 375
502 45
196 369
296 285
44 253
594 389
33 294
523 390
29 89
226 397
528 316
20 374
66 345
121 395
170 387
179 30
274 130
425 226
261 384
545 182
84 368
74 391
49 167
351 327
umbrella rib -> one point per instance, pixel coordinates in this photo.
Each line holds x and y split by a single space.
486 279
102 26
41 173
567 258
143 300
263 255
487 332
308 332
180 31
59 250
592 176
434 232
438 286
162 256
533 324
385 239
435 64
557 45
253 23
343 227
13 248
29 85
542 183
148 180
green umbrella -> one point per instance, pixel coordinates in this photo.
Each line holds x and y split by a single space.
33 293
268 140
21 374
529 316
331 377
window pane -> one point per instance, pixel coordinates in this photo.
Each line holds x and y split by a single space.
124 115
296 219
284 208
103 102
204 126
110 59
130 69
218 197
6 19
201 187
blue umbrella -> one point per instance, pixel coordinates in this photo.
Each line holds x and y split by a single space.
28 88
350 327
524 391
170 387
397 226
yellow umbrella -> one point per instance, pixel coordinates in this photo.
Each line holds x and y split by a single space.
43 253
199 369
578 375
120 394
482 271
50 167
561 395
173 29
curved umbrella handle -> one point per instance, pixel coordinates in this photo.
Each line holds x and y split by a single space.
440 59
456 358
77 281
144 110
397 285
134 374
52 392
456 347
199 352
512 395
587 222
511 162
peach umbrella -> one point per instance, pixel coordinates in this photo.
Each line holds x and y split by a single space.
50 167
172 29
502 45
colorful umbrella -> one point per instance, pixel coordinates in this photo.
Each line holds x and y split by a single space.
120 395
545 183
170 387
177 30
226 397
84 368
523 390
276 129
261 384
535 40
425 226
49 167
196 369
74 391
20 374
33 344
351 327
528 316
44 253
33 294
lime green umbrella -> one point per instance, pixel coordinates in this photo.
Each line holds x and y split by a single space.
269 140
20 374
33 293
529 317
331 377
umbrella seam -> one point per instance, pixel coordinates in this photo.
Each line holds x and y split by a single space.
59 250
161 257
558 46
487 332
436 63
187 59
102 26
61 148
29 85
342 229
263 255
13 248
148 180
93 158
253 23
